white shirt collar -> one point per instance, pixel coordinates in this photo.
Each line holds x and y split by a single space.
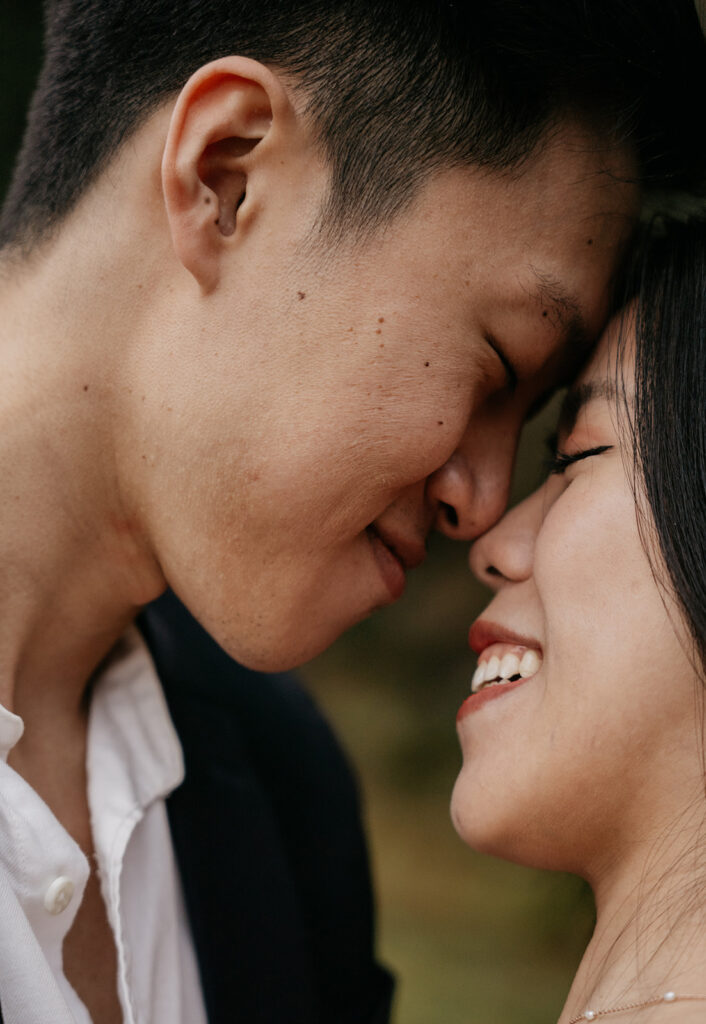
131 738
129 703
134 759
11 729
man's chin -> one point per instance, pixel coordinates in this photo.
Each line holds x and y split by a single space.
289 650
277 653
283 634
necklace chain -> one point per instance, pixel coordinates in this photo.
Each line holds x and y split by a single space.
666 997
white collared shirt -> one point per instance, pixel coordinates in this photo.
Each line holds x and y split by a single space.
134 761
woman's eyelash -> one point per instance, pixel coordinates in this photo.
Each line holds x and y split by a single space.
558 461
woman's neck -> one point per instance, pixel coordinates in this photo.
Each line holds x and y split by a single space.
649 936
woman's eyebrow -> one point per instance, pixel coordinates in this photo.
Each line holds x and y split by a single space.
579 396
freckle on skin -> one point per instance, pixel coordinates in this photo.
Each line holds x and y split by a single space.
439 423
301 295
544 312
382 344
589 242
85 387
207 200
427 363
381 319
378 331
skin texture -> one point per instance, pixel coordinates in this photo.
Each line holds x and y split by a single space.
194 394
594 765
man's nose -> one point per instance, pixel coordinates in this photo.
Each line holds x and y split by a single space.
470 491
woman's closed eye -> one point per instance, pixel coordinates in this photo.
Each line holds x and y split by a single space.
559 461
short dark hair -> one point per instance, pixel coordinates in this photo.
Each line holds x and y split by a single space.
394 88
667 421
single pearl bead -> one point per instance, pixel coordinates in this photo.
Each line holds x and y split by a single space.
589 1015
669 997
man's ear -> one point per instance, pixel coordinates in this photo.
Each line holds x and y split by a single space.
223 119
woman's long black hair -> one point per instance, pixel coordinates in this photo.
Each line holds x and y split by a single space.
668 419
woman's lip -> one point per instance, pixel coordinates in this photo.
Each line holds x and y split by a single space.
390 566
484 633
476 701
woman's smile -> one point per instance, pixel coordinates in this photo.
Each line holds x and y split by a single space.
502 667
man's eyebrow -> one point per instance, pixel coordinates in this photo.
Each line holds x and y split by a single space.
566 313
579 396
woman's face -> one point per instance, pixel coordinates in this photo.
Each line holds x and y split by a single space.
596 746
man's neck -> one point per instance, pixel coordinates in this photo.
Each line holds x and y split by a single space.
73 566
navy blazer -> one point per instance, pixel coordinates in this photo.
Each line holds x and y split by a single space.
267 833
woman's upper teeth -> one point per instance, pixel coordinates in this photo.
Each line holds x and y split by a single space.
502 662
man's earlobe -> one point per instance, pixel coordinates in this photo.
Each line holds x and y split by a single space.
223 114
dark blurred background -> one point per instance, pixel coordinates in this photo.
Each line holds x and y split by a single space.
472 940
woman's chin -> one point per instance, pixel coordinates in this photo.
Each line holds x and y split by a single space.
482 827
491 825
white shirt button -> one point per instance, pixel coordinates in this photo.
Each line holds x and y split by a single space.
58 895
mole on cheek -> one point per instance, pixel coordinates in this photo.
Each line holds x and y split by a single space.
427 363
589 241
301 295
544 312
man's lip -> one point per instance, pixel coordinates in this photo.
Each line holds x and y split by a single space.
484 633
390 565
410 552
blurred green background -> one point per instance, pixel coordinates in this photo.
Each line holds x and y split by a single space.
472 940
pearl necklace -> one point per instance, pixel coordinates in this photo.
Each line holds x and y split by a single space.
667 997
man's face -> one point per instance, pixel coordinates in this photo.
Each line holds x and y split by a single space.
328 411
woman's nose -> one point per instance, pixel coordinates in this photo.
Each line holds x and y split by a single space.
505 554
